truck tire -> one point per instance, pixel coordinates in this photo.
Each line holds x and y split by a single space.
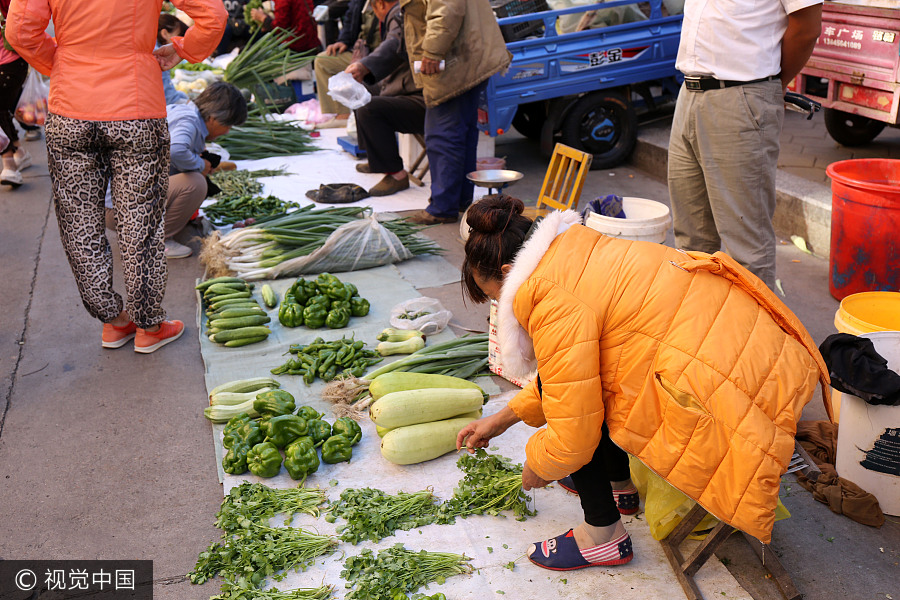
604 124
849 129
529 119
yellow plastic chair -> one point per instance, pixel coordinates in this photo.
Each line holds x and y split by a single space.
563 182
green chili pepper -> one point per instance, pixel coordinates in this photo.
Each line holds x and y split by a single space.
264 460
300 458
274 403
336 449
285 429
318 430
359 307
348 428
235 460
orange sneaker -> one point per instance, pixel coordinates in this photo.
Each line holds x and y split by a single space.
150 341
116 337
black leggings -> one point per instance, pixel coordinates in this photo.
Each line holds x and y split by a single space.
609 463
12 78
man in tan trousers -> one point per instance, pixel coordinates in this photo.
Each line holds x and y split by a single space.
723 149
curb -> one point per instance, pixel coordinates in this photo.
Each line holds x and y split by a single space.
803 207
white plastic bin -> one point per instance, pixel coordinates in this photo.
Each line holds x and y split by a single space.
866 428
645 220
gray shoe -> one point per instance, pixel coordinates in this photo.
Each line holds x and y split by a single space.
176 250
388 185
363 167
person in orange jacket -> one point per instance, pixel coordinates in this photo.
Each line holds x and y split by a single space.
107 124
685 360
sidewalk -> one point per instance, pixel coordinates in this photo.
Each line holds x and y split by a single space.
106 454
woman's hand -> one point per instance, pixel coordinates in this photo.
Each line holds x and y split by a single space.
258 15
166 57
478 434
531 480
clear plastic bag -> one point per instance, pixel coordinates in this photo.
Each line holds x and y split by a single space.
423 314
347 91
360 244
32 106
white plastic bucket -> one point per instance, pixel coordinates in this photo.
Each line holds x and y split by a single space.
865 425
645 221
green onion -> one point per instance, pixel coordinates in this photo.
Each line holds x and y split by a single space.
265 58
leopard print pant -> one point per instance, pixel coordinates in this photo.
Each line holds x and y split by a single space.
83 157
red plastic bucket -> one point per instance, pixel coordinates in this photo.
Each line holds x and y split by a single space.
865 226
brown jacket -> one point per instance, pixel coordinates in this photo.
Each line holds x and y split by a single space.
464 34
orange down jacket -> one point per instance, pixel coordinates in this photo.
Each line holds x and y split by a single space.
697 368
101 63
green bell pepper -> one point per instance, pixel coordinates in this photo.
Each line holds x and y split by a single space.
340 304
353 290
315 315
318 430
300 458
327 280
359 307
321 299
302 291
235 460
309 413
248 433
337 318
285 429
290 314
274 403
264 460
336 449
236 422
264 426
348 428
338 292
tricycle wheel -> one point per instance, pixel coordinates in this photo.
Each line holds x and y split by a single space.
849 129
529 119
604 124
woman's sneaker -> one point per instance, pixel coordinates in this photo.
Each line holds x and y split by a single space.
11 177
146 342
562 553
116 337
23 159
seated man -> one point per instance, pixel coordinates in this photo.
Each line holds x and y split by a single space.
215 111
355 25
398 107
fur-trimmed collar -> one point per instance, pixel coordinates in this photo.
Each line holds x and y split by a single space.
516 348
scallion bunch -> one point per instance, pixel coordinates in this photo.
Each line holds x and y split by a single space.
265 58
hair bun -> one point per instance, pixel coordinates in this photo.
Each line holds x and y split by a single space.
493 213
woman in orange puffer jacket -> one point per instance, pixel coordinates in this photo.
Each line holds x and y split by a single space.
684 360
107 123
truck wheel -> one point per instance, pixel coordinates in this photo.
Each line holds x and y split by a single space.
529 119
849 129
604 124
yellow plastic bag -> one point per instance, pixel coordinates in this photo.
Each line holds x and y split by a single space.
665 506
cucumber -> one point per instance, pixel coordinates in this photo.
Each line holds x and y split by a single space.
238 322
230 313
425 441
268 295
238 334
203 285
229 304
232 398
223 289
213 301
398 381
245 385
410 407
245 341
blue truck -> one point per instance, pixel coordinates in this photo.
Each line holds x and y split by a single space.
584 88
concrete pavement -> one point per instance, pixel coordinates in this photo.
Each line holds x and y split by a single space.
105 454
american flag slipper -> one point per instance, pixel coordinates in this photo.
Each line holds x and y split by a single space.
627 501
562 554
568 484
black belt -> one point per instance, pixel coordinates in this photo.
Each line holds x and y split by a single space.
701 84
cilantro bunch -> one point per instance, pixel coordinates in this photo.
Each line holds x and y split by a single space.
253 503
259 551
242 589
373 514
491 485
396 572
